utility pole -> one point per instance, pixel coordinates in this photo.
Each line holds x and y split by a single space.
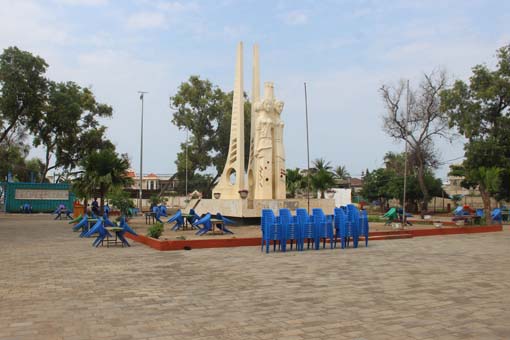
404 217
307 153
141 154
186 166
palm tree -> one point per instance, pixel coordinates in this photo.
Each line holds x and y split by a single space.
102 171
295 181
341 173
322 177
321 164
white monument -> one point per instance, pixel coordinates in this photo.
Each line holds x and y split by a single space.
265 187
266 165
232 178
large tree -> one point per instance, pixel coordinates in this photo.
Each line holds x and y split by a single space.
204 110
423 124
69 128
480 111
23 90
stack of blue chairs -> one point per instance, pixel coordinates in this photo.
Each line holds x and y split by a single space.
353 224
323 229
346 224
272 230
341 226
306 228
291 229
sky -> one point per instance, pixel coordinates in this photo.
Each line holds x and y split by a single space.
344 50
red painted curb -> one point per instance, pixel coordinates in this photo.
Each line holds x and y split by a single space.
255 241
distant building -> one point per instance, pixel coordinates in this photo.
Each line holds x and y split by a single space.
161 184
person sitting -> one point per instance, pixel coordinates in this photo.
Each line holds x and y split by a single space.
27 208
61 209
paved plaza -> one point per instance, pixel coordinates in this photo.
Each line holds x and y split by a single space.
54 285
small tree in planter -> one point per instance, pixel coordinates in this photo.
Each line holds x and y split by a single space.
155 230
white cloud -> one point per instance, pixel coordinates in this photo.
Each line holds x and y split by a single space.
82 2
146 20
27 24
295 18
176 6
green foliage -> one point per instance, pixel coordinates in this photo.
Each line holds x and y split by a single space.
387 183
155 199
120 200
205 111
373 218
322 178
480 111
295 181
155 230
23 89
340 172
102 171
69 129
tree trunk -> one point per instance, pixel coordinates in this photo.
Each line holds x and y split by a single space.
207 193
6 131
486 199
85 206
423 188
46 165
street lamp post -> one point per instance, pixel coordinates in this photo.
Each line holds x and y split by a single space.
141 154
186 166
307 152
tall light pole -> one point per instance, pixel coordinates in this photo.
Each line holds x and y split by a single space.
307 153
186 164
141 154
404 217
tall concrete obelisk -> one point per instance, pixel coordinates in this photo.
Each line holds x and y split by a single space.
255 97
232 178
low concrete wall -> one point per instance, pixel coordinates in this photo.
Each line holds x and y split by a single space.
252 208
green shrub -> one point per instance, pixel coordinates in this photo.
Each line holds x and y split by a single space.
374 218
156 230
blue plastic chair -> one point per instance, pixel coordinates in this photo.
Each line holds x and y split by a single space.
341 226
99 229
496 215
479 212
226 221
353 224
125 229
290 228
306 227
206 222
323 228
193 216
272 230
163 211
178 219
83 224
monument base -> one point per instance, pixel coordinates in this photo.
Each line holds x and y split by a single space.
250 209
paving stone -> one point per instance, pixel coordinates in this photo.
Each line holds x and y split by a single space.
54 285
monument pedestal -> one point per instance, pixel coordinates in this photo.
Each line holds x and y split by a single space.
249 209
